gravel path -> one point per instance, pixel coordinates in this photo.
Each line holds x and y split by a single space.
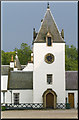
73 113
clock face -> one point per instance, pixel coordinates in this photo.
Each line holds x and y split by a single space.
49 58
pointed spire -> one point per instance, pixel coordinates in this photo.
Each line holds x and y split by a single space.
15 60
17 63
50 26
16 55
48 7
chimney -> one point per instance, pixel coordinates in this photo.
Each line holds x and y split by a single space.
31 57
12 62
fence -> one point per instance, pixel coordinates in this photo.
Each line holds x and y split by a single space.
23 106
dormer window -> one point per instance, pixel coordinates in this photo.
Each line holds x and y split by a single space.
48 39
49 43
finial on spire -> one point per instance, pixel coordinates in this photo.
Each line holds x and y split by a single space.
48 7
16 52
12 58
62 33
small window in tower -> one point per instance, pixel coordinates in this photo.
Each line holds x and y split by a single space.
49 43
49 78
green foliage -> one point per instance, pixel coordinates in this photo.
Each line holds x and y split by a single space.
71 58
6 57
3 108
24 55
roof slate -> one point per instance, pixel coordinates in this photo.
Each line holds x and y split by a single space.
49 25
4 69
71 78
24 80
21 80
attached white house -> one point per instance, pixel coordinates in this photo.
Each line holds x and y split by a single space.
43 79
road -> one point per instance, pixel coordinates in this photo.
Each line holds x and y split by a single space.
70 113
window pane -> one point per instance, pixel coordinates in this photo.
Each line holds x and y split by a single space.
49 41
3 97
16 98
49 78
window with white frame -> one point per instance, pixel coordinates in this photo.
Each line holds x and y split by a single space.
16 98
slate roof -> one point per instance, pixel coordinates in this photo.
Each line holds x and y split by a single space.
5 69
49 25
20 80
71 78
24 80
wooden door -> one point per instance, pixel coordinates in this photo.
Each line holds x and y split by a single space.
49 100
71 99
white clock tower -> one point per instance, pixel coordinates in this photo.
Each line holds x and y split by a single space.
49 64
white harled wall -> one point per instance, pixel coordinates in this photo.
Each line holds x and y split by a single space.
41 69
4 81
25 96
29 67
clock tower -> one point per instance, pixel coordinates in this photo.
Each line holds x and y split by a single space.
49 64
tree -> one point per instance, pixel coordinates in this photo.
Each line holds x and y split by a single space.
71 58
3 58
24 53
6 57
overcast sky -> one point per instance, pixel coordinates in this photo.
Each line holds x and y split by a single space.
19 18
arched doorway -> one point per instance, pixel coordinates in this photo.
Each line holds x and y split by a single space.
49 99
